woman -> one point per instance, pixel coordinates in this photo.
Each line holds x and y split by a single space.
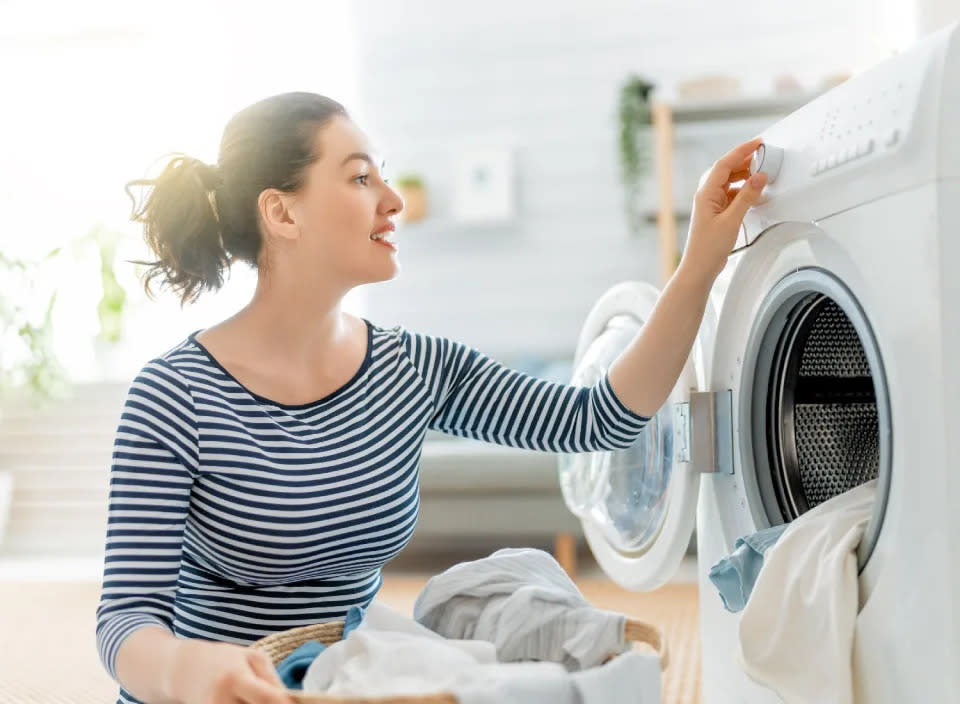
265 468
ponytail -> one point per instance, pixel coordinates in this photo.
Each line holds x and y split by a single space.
182 227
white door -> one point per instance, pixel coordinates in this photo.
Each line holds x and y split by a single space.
637 506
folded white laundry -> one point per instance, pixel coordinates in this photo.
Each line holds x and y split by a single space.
797 630
371 663
382 663
522 601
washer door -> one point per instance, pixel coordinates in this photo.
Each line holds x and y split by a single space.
637 506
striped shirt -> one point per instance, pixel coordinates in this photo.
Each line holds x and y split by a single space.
232 516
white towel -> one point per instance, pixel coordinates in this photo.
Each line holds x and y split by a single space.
796 632
406 658
525 603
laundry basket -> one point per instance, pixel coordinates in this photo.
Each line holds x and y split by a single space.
279 645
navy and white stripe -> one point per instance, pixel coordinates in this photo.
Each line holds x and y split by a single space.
233 516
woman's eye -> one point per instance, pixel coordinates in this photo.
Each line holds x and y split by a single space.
362 180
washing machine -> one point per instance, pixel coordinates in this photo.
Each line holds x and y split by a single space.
829 356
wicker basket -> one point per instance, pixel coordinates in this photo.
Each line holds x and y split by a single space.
279 645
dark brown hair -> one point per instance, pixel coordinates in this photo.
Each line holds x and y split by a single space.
198 218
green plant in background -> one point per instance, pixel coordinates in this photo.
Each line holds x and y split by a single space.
27 359
635 157
113 302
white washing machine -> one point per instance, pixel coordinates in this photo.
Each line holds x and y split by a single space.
829 356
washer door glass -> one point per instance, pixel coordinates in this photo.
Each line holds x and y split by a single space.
623 493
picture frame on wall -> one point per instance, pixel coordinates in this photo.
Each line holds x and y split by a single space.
484 190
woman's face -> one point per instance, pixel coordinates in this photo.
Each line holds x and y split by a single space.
343 202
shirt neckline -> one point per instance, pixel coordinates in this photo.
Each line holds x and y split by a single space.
292 406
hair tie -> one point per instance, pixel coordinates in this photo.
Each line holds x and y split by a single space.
209 175
210 179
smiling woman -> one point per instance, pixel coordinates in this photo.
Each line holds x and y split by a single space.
283 443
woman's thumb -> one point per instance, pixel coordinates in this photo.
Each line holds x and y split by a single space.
263 668
747 196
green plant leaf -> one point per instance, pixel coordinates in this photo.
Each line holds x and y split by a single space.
635 158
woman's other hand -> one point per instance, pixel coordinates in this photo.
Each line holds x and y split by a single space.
205 672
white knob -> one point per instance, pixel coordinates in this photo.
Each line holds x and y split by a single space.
767 159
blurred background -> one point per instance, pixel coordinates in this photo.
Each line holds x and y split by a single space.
525 137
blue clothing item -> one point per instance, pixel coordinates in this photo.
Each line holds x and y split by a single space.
735 575
293 667
353 619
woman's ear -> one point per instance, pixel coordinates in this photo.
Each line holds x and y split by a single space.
275 213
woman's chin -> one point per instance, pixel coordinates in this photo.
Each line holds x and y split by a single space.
384 273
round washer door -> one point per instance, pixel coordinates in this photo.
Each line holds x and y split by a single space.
637 506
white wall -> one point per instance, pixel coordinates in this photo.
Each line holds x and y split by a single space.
931 15
542 77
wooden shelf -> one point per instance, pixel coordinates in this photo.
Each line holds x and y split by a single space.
736 108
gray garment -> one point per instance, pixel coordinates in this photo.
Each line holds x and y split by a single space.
735 575
523 602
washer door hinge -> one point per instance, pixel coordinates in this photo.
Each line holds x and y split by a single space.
703 431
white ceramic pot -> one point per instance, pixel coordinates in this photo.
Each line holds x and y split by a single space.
6 499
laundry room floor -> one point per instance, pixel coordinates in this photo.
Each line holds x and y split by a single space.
47 625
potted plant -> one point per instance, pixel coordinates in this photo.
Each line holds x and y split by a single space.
29 368
635 148
414 193
113 300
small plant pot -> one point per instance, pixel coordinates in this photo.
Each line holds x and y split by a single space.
414 203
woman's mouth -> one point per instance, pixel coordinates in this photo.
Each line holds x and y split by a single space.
382 236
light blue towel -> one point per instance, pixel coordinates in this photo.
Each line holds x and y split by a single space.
293 667
735 575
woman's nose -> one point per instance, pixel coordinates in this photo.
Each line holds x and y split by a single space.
393 201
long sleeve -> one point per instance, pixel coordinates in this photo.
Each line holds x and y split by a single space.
477 397
153 467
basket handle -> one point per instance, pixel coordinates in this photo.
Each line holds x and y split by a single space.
314 698
641 632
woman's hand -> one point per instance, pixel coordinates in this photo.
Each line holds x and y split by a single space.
205 672
718 210
645 373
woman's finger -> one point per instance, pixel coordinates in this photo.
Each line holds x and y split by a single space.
253 690
740 175
731 192
263 668
747 196
730 162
